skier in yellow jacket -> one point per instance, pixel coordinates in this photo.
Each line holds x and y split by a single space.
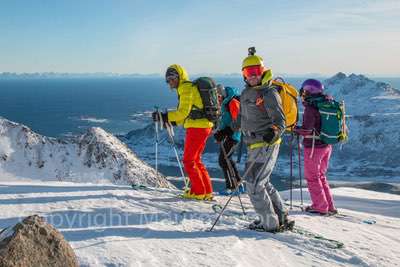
197 131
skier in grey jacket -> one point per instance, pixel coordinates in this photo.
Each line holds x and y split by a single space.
262 124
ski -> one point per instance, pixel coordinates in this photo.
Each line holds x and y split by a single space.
337 215
346 217
140 187
330 243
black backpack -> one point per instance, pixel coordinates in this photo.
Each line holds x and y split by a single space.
209 96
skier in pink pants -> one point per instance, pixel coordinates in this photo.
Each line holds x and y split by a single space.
316 153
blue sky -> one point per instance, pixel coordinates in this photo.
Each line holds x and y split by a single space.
295 37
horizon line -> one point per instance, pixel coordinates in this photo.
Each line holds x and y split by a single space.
233 74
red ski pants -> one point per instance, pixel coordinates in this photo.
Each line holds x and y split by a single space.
195 142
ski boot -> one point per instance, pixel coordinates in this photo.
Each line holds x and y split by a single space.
189 195
208 197
226 192
333 212
310 209
257 226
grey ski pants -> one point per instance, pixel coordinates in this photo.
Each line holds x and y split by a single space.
263 195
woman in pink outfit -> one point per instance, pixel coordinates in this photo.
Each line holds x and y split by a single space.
316 153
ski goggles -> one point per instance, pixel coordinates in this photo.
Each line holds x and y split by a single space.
171 74
251 71
170 78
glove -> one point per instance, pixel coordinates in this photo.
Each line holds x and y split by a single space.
156 116
269 135
227 131
219 136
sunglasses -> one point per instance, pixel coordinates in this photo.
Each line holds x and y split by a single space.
252 71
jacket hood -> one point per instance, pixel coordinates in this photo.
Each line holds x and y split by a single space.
231 91
183 75
267 76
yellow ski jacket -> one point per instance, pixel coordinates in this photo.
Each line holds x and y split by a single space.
188 96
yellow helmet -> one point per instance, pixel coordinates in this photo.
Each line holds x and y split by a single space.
252 59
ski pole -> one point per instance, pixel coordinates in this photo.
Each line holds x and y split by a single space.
157 140
230 171
171 136
244 175
220 214
231 174
291 170
300 173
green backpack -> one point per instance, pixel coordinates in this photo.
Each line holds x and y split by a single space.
333 121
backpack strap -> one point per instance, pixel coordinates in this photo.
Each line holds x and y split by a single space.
194 108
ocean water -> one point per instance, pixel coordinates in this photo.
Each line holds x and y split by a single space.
57 107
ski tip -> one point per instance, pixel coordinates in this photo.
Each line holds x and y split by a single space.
139 187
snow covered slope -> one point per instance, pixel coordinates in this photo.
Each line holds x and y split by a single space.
111 225
94 156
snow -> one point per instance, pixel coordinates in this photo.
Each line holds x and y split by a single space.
114 225
94 156
93 119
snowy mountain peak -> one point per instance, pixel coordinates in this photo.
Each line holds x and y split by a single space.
98 135
358 88
94 156
374 114
352 81
339 76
